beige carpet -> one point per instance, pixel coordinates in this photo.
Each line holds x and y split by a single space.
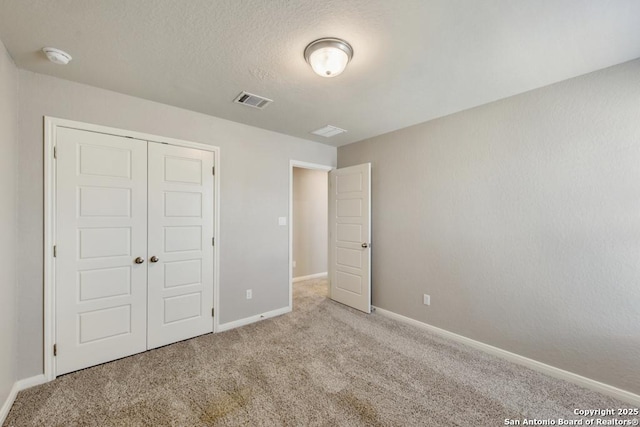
324 364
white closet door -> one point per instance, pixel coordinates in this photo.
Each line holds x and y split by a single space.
101 226
180 238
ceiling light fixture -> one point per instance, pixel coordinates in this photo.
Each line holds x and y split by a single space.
328 56
57 56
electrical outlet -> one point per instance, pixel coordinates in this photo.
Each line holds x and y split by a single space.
249 294
294 264
426 299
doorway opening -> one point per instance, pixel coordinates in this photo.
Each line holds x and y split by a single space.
308 222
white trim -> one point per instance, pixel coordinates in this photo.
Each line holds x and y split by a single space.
127 133
309 277
217 240
50 127
31 382
552 371
8 403
252 319
13 393
303 165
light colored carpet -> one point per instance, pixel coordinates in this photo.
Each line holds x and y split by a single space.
324 364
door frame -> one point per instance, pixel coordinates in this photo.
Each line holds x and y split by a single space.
302 165
51 124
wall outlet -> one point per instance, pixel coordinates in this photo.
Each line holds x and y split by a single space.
294 264
426 299
249 294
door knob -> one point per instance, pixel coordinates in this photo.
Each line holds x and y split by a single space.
139 260
365 245
154 259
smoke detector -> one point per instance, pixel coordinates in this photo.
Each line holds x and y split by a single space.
57 56
251 100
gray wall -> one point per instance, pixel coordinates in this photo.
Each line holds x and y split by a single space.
254 193
310 210
521 219
8 210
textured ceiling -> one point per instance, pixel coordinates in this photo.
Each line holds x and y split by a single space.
414 60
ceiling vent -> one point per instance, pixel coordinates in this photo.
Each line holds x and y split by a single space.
251 100
328 131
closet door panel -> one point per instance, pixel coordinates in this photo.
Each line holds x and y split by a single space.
101 228
180 227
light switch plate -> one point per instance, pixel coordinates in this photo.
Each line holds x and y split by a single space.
282 220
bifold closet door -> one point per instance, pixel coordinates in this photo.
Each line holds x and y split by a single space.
180 270
101 230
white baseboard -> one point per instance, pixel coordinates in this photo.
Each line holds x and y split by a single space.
6 406
552 371
309 277
248 320
19 386
31 382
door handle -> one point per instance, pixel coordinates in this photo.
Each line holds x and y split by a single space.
365 245
154 259
139 260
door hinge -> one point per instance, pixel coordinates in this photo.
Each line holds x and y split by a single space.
55 152
55 251
213 241
213 312
55 349
213 170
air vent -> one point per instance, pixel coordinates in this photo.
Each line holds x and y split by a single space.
251 100
328 131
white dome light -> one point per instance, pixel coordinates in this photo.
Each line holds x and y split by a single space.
329 56
57 56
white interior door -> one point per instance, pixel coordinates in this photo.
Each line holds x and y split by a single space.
349 236
101 226
180 239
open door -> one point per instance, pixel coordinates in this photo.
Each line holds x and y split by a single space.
350 236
